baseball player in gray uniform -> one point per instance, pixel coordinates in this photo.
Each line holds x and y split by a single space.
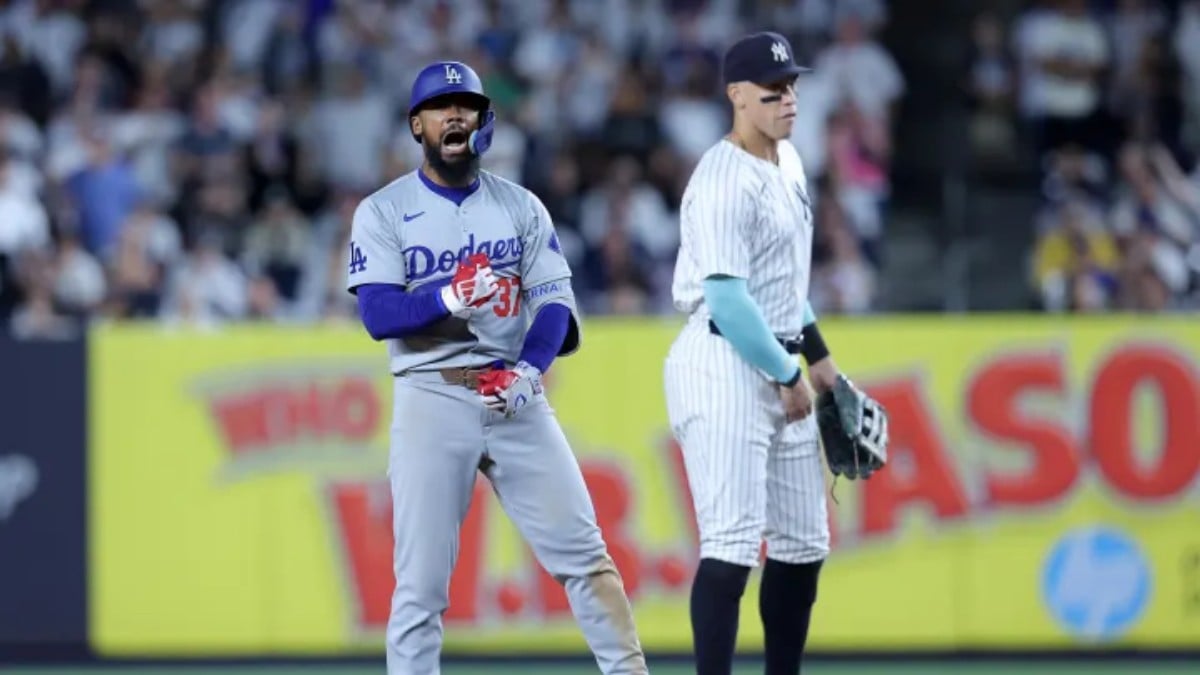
461 274
735 397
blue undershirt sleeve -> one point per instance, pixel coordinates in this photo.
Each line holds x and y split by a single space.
388 311
545 336
741 322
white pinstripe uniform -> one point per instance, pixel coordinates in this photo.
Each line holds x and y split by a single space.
752 475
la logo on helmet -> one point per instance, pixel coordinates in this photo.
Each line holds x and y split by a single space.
452 75
779 51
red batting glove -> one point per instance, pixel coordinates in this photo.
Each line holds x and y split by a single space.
493 382
473 284
507 391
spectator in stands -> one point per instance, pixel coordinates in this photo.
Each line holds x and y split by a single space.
287 62
866 86
354 32
172 34
23 80
323 295
1071 172
691 50
1154 275
859 148
1186 40
105 191
24 224
206 288
79 284
148 248
630 237
843 280
219 206
271 155
991 88
1063 51
1132 28
36 317
1157 220
24 228
147 134
691 118
543 58
865 76
276 247
1075 262
561 196
250 128
51 34
632 127
1146 104
1155 196
350 129
20 137
206 136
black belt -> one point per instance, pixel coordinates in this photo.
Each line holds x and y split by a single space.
792 346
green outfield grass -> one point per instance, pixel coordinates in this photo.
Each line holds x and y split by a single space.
674 668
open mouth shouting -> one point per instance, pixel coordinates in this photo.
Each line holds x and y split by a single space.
454 141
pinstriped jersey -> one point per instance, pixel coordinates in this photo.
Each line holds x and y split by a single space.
745 217
410 235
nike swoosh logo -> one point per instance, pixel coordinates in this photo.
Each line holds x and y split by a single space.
413 216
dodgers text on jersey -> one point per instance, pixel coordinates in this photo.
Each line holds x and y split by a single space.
424 263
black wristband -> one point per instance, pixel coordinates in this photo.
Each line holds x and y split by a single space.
813 348
795 378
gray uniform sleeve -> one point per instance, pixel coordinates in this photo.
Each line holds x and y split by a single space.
374 255
545 274
542 260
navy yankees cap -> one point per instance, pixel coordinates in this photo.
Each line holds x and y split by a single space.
761 58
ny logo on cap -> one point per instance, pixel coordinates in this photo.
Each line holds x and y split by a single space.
779 52
452 75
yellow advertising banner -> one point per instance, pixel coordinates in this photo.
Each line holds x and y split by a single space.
1043 492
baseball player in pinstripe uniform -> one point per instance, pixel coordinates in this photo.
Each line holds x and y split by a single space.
735 397
461 274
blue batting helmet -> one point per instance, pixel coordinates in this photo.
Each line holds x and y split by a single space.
454 77
446 77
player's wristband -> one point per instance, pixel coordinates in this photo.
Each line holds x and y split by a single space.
813 348
794 379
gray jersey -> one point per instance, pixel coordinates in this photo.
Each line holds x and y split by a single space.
745 217
409 235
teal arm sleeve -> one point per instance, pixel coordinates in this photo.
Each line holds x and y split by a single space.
742 323
810 317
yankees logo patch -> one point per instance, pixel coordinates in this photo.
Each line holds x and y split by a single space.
779 52
802 195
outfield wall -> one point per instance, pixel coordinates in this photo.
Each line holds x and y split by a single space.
1043 494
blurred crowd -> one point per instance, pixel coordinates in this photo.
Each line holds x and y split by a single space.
1108 96
198 161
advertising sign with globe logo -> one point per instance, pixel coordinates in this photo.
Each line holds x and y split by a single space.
1096 583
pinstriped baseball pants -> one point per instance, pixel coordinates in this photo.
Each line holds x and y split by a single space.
752 476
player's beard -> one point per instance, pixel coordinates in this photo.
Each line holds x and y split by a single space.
460 170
